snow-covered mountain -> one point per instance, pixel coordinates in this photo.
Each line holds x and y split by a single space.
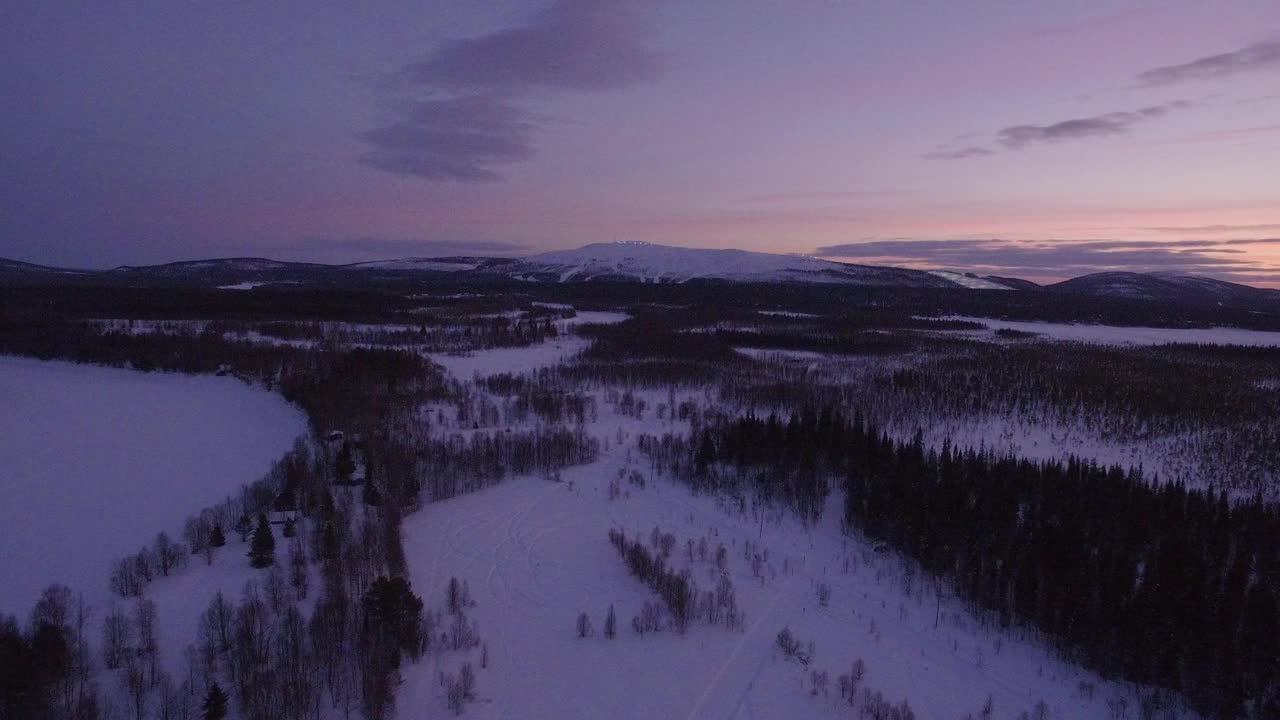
645 262
638 262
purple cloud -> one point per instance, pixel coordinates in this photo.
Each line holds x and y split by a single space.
472 119
1262 56
584 45
1114 123
454 139
959 154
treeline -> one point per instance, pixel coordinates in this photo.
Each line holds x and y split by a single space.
675 588
1204 411
455 465
357 389
424 332
1156 584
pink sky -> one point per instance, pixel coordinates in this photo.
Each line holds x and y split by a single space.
159 132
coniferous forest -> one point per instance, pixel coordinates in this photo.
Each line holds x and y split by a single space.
1155 584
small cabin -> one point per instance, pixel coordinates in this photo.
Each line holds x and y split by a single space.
280 517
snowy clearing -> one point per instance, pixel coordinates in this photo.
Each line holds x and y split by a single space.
535 554
513 360
98 460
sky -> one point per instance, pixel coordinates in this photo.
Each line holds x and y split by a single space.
1041 140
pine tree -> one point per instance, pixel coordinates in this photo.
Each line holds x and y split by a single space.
371 495
345 465
243 527
610 624
329 542
262 551
215 704
216 537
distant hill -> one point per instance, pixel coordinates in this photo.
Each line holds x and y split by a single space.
638 262
626 261
1167 287
648 263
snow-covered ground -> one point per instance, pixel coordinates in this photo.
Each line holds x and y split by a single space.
513 360
97 460
968 280
535 554
1116 335
249 285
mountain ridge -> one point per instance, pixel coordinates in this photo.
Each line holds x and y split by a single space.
644 263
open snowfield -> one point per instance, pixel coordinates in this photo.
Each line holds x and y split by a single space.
535 554
1116 335
97 460
466 365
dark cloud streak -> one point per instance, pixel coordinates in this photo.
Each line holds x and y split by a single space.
1115 123
1261 56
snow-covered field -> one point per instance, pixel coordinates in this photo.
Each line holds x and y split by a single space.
535 554
96 461
514 360
1116 335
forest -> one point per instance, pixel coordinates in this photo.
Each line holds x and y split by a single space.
1153 583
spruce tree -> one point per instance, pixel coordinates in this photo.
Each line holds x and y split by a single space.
345 465
215 704
216 537
329 542
262 551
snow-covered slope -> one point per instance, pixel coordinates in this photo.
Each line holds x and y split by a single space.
969 280
645 262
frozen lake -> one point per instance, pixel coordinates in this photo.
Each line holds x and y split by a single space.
95 461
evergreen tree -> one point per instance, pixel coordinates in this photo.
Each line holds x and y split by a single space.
329 542
243 527
262 551
290 528
345 465
216 536
215 704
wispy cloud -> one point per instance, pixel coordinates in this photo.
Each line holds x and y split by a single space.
1114 123
1061 259
1253 58
466 107
971 151
1017 137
